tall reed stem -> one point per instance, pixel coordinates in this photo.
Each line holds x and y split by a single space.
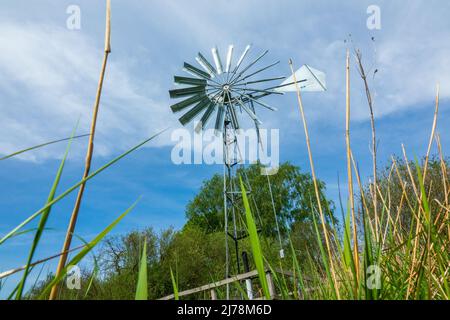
349 168
89 153
363 75
418 224
433 130
316 187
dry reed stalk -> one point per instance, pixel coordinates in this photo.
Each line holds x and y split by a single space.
404 195
411 177
444 181
433 129
398 221
349 168
385 206
417 231
402 184
443 168
313 173
389 188
363 75
89 153
361 190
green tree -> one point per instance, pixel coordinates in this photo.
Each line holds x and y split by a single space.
293 195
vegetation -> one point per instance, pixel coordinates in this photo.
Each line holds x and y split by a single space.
292 192
196 246
172 255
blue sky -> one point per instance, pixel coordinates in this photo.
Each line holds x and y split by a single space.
48 77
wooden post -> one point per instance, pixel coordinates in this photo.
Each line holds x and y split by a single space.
213 294
270 284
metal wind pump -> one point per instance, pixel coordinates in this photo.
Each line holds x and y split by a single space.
226 92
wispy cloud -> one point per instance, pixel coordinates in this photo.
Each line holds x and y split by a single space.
48 77
48 74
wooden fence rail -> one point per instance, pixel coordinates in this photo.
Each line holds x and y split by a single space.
211 287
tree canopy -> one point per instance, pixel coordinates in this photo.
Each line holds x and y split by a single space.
292 192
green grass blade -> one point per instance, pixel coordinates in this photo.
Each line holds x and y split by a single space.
74 187
86 250
254 242
297 269
324 257
174 285
22 232
94 271
347 245
44 218
41 145
91 280
142 284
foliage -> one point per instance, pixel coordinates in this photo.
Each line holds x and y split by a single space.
291 190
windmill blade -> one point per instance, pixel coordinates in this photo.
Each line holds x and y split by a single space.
177 93
234 119
195 71
251 90
191 81
260 70
254 99
251 64
259 96
205 91
219 120
188 102
206 116
233 116
262 80
247 49
205 65
311 80
258 133
285 85
191 114
251 113
215 53
229 57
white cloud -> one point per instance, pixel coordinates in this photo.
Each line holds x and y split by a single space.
48 79
48 75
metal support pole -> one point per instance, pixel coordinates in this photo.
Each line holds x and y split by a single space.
248 282
225 213
230 192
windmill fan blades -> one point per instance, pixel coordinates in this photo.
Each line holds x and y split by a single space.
195 71
233 116
219 120
254 61
255 99
229 57
190 81
177 93
191 114
186 103
219 88
205 64
204 120
217 61
249 112
247 49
